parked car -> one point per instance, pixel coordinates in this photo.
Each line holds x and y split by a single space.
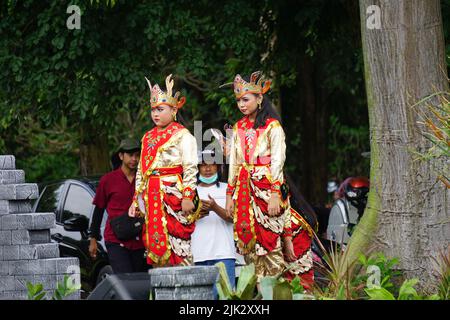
71 201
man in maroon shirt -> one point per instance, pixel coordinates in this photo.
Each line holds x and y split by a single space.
115 194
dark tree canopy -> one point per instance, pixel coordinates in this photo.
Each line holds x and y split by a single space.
69 96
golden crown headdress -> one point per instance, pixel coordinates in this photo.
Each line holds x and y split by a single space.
158 96
242 87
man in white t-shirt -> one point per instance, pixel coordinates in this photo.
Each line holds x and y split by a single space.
212 240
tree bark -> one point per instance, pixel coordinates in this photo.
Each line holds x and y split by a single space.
408 210
94 154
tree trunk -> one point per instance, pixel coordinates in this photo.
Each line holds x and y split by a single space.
408 210
314 129
94 154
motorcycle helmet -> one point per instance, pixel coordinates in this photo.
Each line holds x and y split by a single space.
356 191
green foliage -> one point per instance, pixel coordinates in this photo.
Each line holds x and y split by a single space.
64 289
379 294
435 121
341 275
406 292
347 280
346 145
444 275
35 292
385 266
278 288
296 286
94 77
282 291
270 287
245 288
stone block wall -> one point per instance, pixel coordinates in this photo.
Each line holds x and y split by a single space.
26 251
183 283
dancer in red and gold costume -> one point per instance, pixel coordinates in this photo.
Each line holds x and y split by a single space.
254 198
166 182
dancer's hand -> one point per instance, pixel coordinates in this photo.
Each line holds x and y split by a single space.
289 249
229 207
132 211
187 206
273 207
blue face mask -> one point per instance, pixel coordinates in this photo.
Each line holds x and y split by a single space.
208 180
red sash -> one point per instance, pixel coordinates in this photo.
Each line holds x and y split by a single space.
156 236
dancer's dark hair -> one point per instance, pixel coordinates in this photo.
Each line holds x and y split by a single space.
299 203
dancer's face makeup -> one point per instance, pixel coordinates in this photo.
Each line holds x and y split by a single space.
162 115
248 103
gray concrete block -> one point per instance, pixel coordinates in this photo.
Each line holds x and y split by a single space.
20 237
26 267
11 253
7 283
75 296
4 268
67 266
5 238
38 267
30 236
42 221
24 191
74 278
1 253
50 266
7 162
15 206
12 176
62 266
14 295
38 251
184 293
24 220
27 252
49 282
47 250
28 221
8 222
21 282
183 276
